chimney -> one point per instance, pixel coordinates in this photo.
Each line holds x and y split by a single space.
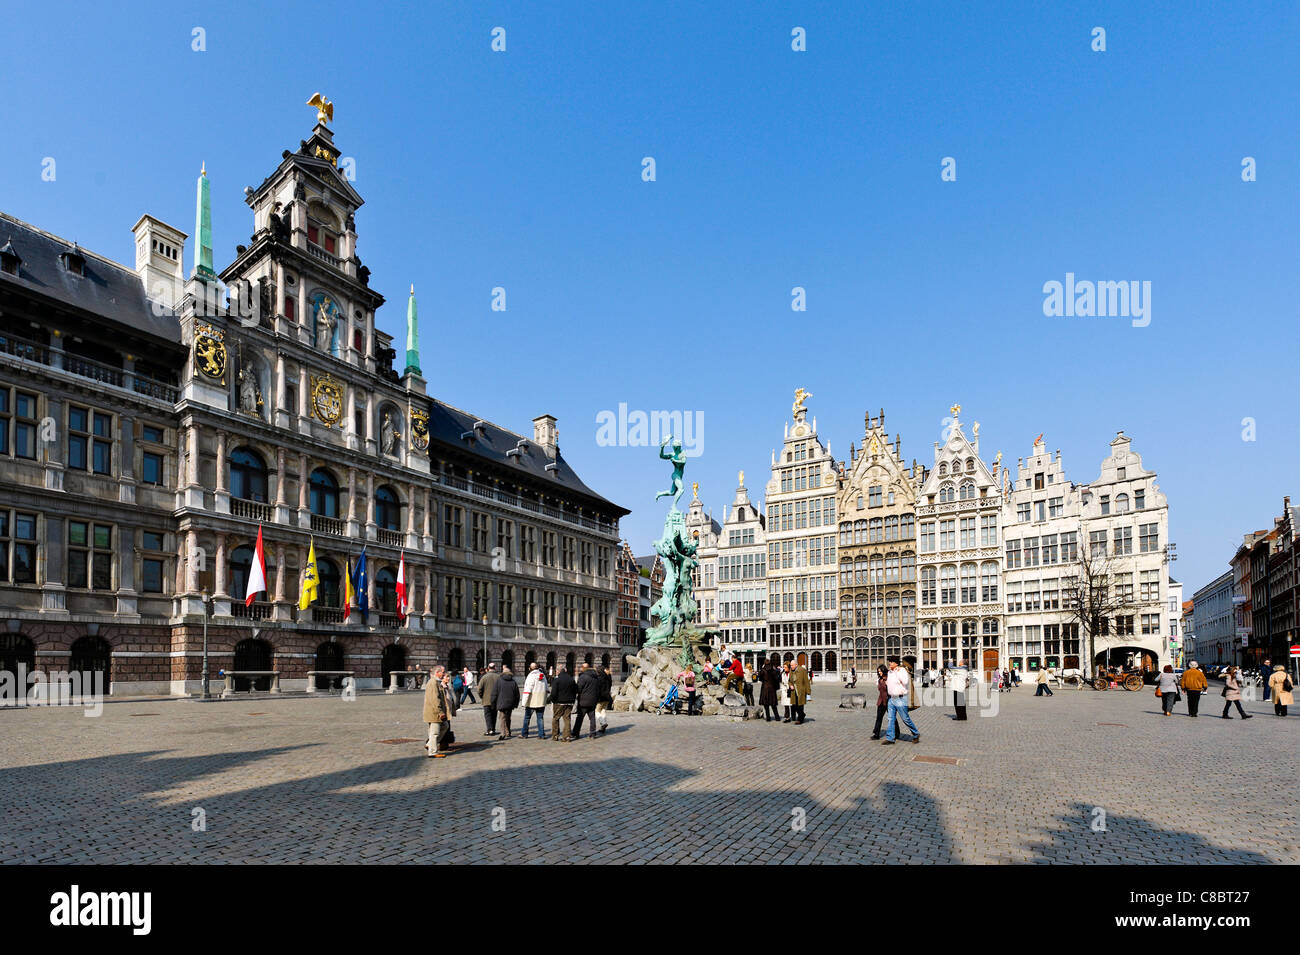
159 253
545 434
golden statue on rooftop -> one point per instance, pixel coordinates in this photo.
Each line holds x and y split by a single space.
324 108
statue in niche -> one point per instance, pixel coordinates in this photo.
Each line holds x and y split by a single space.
390 434
250 396
325 325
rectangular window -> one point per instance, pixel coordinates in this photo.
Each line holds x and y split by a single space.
24 425
967 532
989 530
528 543
17 547
453 526
1013 554
548 551
947 535
1031 551
505 603
1139 499
151 468
1123 538
529 607
1055 506
1149 538
1097 543
90 555
1069 547
480 600
927 537
506 537
1022 512
479 538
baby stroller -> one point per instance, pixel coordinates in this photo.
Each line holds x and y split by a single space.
670 703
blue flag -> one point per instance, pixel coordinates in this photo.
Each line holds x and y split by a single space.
362 586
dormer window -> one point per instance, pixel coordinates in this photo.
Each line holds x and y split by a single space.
73 261
9 259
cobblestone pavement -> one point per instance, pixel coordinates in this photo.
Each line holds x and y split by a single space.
299 779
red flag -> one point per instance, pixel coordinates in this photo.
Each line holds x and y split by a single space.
257 572
401 586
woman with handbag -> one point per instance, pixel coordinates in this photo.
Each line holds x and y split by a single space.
1167 690
1232 693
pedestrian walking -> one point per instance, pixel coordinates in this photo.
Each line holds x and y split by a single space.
770 694
749 685
1280 684
564 693
534 698
467 675
956 681
1265 675
505 697
785 691
853 677
1194 684
588 697
1232 693
439 708
606 701
1167 690
1043 688
800 687
897 682
458 687
1006 682
486 687
882 698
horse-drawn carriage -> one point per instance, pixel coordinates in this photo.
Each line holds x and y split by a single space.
1130 680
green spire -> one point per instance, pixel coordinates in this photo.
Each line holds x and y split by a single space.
203 230
412 336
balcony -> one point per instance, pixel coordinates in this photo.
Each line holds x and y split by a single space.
513 500
328 525
317 252
391 538
326 614
258 610
251 510
141 384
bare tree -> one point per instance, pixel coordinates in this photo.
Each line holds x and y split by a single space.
1093 597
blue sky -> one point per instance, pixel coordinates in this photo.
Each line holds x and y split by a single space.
775 169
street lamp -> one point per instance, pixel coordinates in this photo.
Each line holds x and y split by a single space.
207 612
485 658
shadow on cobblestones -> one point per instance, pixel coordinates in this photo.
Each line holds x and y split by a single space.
1131 839
620 810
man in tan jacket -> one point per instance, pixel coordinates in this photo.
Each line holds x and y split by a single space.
1194 684
800 687
438 711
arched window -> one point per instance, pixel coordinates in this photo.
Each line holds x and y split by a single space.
330 595
604 659
550 662
252 654
456 660
247 475
830 661
906 528
570 661
947 494
943 469
393 658
324 494
507 659
386 590
948 584
329 656
967 490
891 528
859 532
530 658
846 572
91 659
970 465
388 509
1121 503
908 567
17 649
846 534
860 570
929 593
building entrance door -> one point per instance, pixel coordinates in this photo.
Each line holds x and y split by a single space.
990 664
803 659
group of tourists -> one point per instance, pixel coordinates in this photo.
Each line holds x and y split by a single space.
589 696
1170 689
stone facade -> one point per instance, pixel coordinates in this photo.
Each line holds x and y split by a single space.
802 595
704 530
134 487
876 505
959 547
742 579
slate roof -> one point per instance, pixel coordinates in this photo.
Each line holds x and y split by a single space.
106 290
491 442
